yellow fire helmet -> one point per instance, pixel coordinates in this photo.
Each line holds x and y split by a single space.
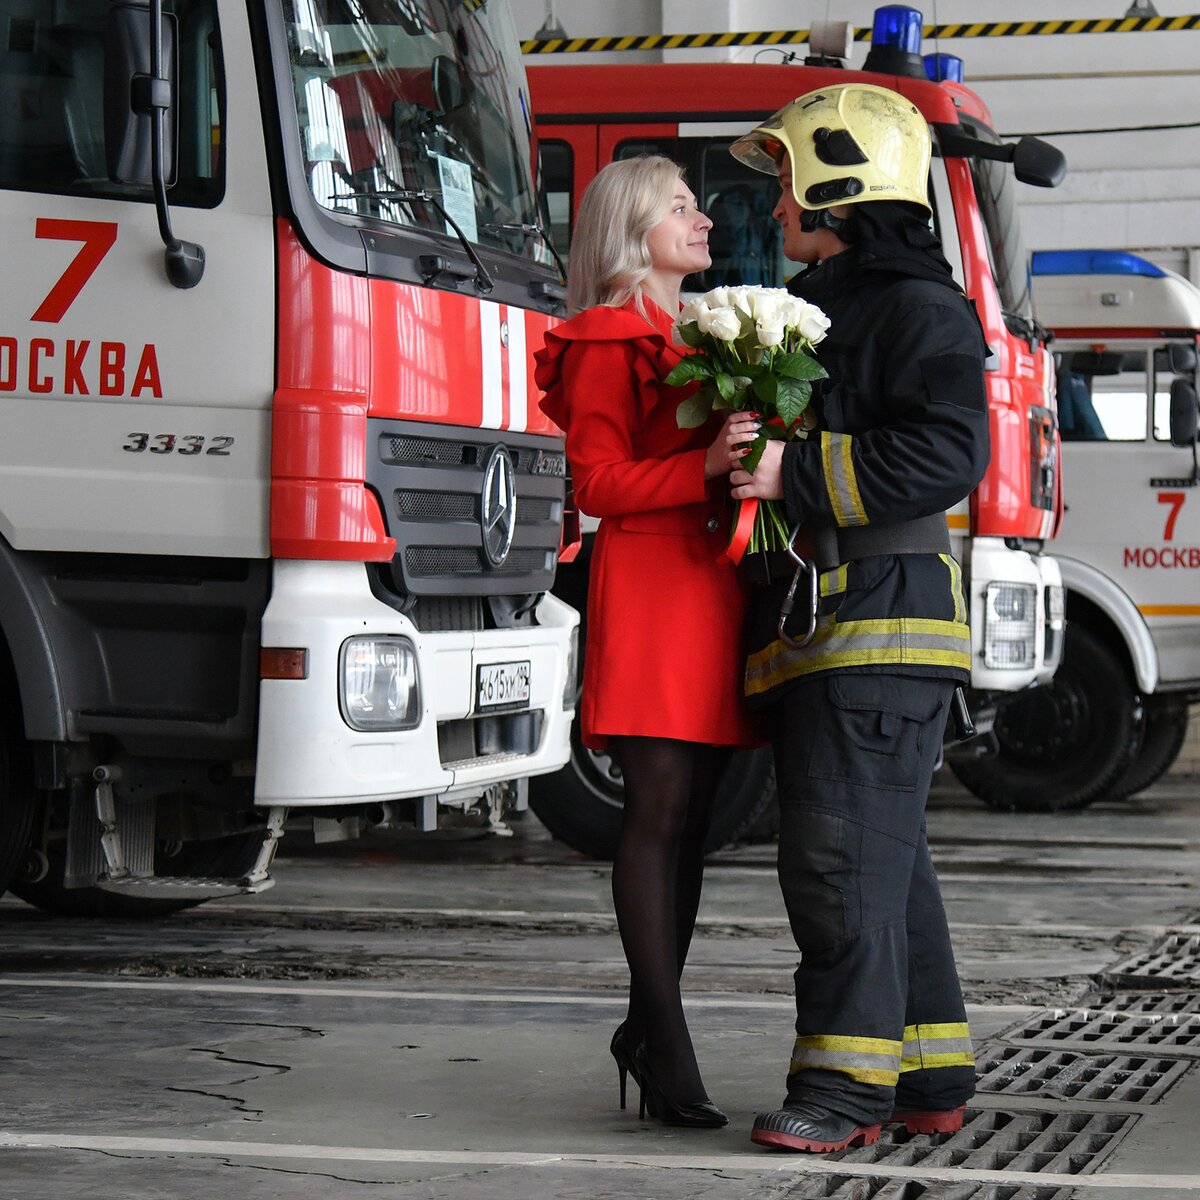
848 144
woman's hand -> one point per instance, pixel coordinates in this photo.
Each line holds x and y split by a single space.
731 445
767 481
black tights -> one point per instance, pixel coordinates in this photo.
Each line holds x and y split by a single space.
657 876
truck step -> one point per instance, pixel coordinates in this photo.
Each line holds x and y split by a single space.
167 887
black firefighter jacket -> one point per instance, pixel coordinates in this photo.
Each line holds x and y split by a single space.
902 433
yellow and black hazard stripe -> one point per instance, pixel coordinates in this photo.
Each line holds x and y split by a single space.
927 1047
864 1059
796 37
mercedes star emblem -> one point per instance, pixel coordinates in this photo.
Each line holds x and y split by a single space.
498 505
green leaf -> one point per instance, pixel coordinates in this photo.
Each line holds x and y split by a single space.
791 399
725 385
751 461
765 390
688 370
690 334
694 411
799 366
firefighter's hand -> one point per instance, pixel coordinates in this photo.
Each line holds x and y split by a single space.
767 481
731 444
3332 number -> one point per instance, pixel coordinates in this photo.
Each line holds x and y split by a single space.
173 443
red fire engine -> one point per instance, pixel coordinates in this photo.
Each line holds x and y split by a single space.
278 523
587 116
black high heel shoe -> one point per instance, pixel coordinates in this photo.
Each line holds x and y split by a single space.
620 1049
703 1114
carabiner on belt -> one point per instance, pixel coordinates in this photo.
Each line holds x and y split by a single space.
803 566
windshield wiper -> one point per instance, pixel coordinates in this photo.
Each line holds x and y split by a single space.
483 281
531 229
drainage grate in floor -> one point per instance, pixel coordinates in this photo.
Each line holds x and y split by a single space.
1082 1028
1168 1003
1174 962
1061 1142
861 1187
1059 1074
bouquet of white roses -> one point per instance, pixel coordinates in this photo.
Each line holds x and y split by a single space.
753 352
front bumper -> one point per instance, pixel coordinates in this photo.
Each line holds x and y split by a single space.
309 757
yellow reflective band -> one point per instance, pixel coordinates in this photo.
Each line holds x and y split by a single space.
837 462
929 1033
930 1062
833 583
857 1045
916 641
956 588
868 1060
928 1047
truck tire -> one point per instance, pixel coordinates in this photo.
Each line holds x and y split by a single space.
581 804
1164 730
1064 744
18 802
227 857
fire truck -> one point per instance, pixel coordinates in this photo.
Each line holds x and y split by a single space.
589 115
279 516
1116 714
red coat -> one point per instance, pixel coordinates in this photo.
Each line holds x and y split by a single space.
665 655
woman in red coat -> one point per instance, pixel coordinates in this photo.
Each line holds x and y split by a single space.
663 672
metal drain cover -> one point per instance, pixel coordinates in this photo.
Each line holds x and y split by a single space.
1062 1142
1059 1074
1176 1004
1176 1035
861 1187
1174 962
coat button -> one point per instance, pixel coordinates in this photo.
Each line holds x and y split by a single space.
713 524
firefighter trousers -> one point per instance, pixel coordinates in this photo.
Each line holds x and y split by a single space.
880 1021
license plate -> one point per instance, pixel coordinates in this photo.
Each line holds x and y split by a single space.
502 685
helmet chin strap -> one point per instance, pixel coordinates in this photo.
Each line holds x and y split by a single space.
821 218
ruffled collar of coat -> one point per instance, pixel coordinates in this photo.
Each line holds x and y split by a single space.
604 323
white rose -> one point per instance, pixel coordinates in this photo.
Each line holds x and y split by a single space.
810 322
722 323
718 298
691 311
771 310
743 298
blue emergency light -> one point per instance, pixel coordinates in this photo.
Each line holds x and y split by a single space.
1091 262
944 67
896 42
898 27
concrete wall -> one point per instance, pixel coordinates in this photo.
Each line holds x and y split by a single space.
1137 189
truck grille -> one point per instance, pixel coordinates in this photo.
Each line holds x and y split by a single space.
430 481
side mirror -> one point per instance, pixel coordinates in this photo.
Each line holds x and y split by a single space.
449 84
131 92
1181 359
1039 163
1185 413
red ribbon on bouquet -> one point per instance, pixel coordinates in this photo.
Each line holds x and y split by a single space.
743 527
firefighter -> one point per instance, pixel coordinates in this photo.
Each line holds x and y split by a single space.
858 712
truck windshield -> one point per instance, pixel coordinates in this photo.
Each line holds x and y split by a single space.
995 189
395 96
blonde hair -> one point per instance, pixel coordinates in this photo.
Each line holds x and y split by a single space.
609 257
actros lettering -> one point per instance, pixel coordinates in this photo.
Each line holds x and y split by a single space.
43 366
1169 557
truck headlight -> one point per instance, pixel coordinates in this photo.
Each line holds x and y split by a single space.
379 684
1010 625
